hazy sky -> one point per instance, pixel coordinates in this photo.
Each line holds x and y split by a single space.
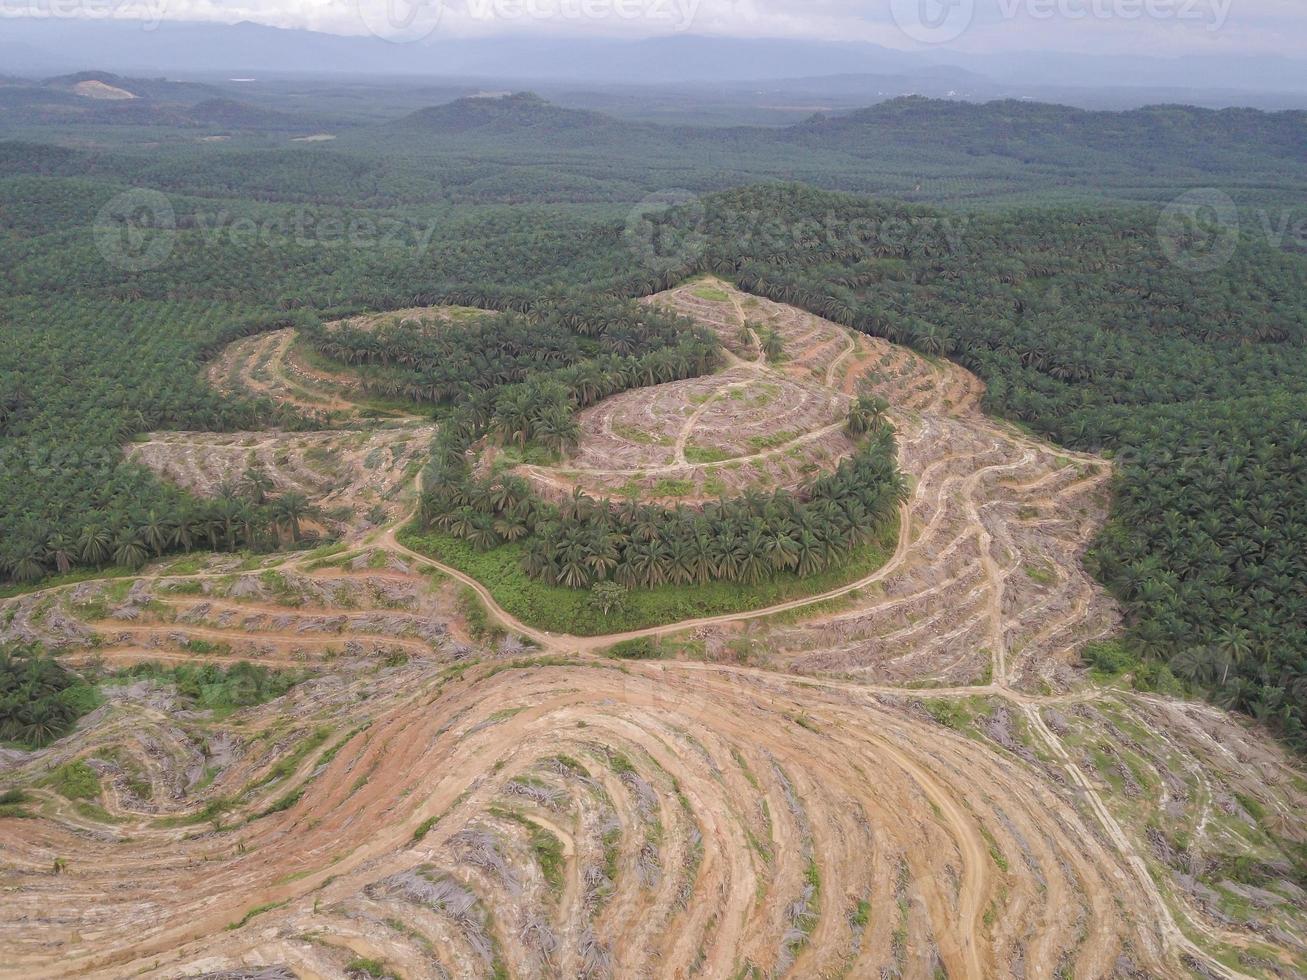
1089 26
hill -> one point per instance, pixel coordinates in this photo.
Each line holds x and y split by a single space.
97 98
1204 139
506 114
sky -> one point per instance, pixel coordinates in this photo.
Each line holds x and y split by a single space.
1129 27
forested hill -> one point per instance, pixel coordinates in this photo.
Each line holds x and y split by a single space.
1208 140
508 114
104 99
1042 142
521 148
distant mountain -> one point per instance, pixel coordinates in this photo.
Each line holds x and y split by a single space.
160 89
188 49
1167 145
1199 138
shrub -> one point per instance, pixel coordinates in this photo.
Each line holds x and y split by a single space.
76 781
640 649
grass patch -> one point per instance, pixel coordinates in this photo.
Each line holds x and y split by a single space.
641 649
75 781
376 969
256 911
548 851
475 616
959 715
995 852
210 812
71 578
668 487
706 454
563 610
12 805
286 766
1041 575
711 293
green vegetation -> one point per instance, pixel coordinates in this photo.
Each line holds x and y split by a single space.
638 649
521 376
475 618
287 765
584 541
563 610
959 715
376 969
1112 659
75 781
253 913
12 805
704 454
39 699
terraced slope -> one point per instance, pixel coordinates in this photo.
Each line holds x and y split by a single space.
439 806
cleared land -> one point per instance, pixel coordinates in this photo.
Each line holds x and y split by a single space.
356 478
268 365
437 806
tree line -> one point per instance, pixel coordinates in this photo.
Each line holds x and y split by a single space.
585 541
